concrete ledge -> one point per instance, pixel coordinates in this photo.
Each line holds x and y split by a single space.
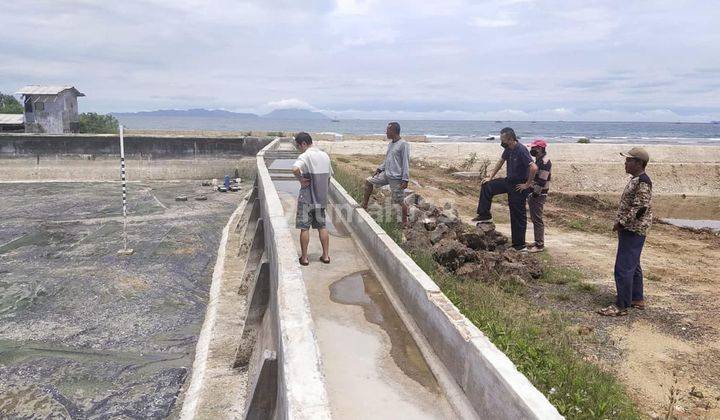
301 392
109 145
489 379
202 348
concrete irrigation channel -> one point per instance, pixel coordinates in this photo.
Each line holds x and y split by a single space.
368 336
212 316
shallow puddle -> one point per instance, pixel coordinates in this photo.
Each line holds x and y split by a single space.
281 164
695 224
363 289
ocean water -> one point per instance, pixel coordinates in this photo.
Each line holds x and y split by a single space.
449 131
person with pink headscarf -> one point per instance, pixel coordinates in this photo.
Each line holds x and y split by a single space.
541 185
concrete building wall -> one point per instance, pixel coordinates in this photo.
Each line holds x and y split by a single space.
53 114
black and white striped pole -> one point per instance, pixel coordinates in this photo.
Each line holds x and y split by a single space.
125 250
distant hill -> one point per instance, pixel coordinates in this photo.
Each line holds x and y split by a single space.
296 114
197 112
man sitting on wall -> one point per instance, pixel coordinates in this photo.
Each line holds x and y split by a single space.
394 171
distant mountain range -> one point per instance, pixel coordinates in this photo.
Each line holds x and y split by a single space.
278 114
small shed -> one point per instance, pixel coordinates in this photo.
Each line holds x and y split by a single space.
11 123
51 109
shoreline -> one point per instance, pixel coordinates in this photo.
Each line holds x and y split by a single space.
330 135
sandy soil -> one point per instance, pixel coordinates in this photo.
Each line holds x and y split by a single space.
328 137
674 343
692 170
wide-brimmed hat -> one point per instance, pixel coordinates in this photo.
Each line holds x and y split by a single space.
637 153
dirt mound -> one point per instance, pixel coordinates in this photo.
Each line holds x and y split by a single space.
478 253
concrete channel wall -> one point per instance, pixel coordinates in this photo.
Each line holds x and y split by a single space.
32 145
288 331
85 157
488 378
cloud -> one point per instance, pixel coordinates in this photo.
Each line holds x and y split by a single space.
291 103
432 59
353 7
492 23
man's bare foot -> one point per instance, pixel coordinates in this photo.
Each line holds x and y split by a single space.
303 260
325 259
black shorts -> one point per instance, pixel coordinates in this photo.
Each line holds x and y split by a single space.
308 215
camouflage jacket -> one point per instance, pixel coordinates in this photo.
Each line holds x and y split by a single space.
635 212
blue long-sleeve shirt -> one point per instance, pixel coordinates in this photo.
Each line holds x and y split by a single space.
397 160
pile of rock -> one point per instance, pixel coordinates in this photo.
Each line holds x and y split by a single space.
471 252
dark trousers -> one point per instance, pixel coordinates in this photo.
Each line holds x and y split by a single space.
628 273
536 204
516 202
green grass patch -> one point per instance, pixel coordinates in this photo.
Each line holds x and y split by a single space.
578 224
536 339
652 277
352 182
555 274
538 343
585 287
562 297
275 134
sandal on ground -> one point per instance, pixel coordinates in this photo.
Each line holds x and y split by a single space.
300 260
534 249
638 304
324 261
612 310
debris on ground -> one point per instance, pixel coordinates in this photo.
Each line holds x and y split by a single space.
181 198
478 253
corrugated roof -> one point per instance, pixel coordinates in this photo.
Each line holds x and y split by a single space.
46 90
11 119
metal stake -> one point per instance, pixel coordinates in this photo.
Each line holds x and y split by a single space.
125 250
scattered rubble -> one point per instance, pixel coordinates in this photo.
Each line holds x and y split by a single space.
181 198
478 253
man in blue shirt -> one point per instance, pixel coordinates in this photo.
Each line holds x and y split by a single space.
520 174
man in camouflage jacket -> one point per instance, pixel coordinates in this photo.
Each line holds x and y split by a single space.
632 222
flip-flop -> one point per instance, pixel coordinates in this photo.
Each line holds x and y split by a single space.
303 263
638 304
324 261
612 310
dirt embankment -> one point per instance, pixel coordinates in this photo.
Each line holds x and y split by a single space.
596 168
669 350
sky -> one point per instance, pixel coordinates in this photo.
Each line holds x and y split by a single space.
613 60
